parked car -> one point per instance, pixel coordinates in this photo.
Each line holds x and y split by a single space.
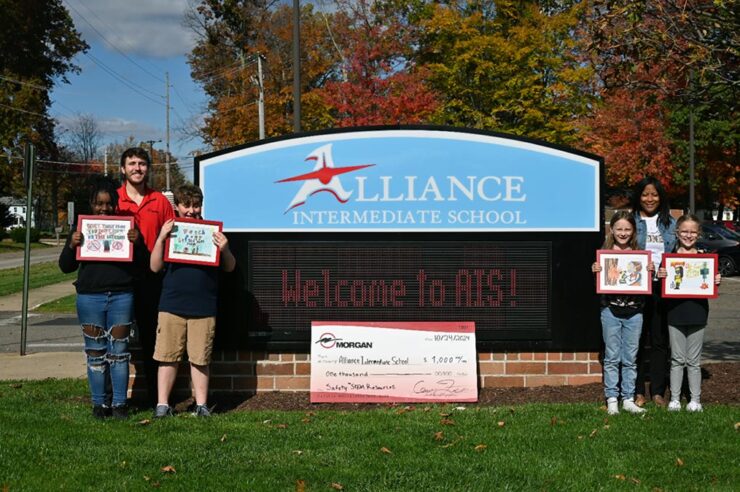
728 251
716 236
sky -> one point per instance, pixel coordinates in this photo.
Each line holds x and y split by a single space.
122 79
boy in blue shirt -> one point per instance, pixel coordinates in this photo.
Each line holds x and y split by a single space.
187 309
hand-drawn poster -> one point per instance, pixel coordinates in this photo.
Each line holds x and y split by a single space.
690 275
191 241
105 238
623 272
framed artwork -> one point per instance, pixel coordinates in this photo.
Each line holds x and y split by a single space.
191 241
105 238
690 275
623 272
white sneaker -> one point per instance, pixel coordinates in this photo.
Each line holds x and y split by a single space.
694 406
629 406
612 406
674 406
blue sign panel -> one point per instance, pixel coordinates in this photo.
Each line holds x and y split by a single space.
413 180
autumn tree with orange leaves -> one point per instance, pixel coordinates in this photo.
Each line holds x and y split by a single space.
375 82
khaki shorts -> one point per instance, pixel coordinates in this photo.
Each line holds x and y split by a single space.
176 333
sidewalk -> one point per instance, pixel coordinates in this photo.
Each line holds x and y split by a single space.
36 297
43 365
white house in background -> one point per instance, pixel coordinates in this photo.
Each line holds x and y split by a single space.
17 209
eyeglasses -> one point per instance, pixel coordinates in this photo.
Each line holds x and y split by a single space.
688 233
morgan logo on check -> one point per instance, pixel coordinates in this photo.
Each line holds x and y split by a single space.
323 177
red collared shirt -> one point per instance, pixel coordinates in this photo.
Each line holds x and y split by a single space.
155 209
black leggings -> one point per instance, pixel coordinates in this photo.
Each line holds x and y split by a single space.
653 358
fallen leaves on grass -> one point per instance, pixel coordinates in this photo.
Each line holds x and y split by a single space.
144 422
281 426
306 420
620 477
297 452
635 481
446 421
337 486
593 433
439 436
16 386
223 438
737 425
553 421
385 450
480 448
168 469
501 423
300 486
679 462
450 444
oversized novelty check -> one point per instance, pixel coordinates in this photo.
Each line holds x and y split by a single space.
393 362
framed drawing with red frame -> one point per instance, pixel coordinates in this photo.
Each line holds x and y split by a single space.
690 276
623 272
105 238
191 241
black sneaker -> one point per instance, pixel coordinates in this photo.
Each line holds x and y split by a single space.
120 412
201 411
162 411
100 411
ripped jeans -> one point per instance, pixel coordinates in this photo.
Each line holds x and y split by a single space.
106 320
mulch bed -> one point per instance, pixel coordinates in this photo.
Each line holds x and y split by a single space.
721 384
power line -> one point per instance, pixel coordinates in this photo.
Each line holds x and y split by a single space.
24 111
123 80
109 42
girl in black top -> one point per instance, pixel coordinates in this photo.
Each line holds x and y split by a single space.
687 319
105 309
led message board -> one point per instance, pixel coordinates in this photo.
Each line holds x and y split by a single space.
502 286
407 224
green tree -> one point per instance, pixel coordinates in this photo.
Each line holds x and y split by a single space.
510 66
36 51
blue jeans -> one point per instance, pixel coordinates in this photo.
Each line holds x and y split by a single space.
106 320
621 341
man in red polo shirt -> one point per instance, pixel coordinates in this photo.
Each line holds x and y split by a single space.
150 210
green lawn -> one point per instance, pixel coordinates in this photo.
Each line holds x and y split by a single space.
64 305
11 279
10 247
49 440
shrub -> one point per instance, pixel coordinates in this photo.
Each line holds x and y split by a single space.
19 235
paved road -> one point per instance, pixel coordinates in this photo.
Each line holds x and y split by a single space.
41 255
57 332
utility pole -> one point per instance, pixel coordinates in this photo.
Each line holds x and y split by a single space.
28 165
692 203
296 66
151 154
167 155
261 100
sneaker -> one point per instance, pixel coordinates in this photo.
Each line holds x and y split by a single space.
674 406
694 406
100 412
612 406
201 411
629 406
120 412
162 411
